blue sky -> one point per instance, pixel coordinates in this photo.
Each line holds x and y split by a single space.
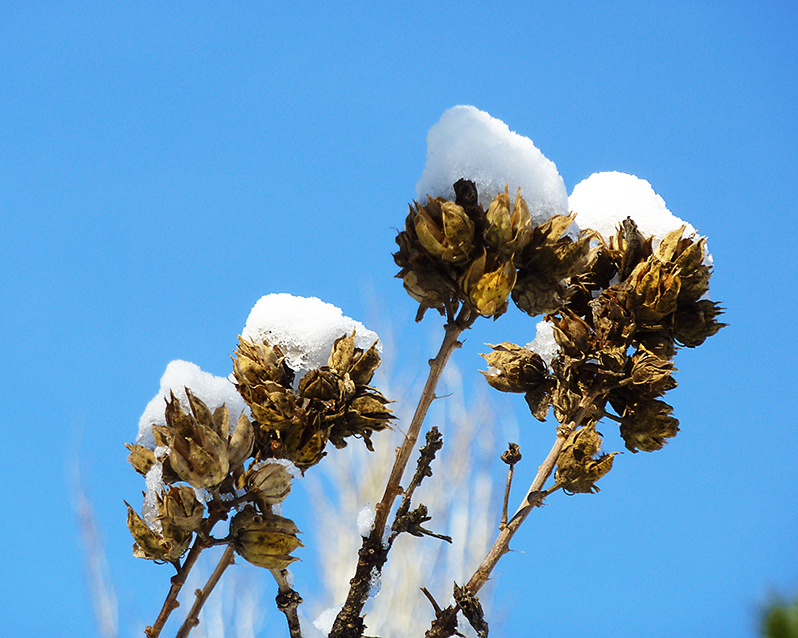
162 167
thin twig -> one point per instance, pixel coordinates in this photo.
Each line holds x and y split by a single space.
427 455
201 541
178 580
405 520
534 498
192 620
511 457
287 601
373 553
507 497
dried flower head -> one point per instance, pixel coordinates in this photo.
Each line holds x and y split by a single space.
646 425
579 467
454 253
197 441
270 483
265 540
331 403
179 516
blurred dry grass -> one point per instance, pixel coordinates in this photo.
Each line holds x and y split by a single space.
103 594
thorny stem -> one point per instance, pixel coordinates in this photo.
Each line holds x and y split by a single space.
404 520
287 601
373 553
192 620
534 498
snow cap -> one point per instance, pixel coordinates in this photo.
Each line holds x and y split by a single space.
212 390
604 200
304 328
469 143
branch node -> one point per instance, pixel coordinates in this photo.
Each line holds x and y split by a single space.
469 604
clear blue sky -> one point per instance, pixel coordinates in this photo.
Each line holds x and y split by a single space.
162 167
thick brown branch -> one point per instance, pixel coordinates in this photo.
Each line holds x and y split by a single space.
192 620
373 553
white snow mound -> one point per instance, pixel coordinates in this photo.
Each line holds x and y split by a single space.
603 200
212 390
305 328
469 143
544 343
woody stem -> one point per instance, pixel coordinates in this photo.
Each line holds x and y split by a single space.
374 553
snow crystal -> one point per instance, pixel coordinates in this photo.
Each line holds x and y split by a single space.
365 520
324 622
213 391
544 343
155 487
603 200
469 143
305 328
375 582
292 469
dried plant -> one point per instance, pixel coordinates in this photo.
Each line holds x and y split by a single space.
617 310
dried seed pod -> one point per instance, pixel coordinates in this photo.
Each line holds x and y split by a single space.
270 483
577 469
150 544
197 453
499 231
141 458
613 314
506 232
263 379
426 279
200 460
694 323
255 363
304 440
265 540
487 284
444 230
548 258
365 365
574 336
180 509
517 369
512 455
430 289
241 443
645 425
652 371
656 288
321 384
669 247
